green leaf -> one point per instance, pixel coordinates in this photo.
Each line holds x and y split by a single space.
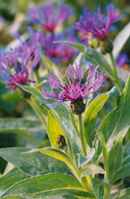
120 40
95 106
67 123
118 120
61 156
23 130
14 197
21 158
120 161
41 111
121 173
123 194
115 158
42 107
76 45
55 130
49 184
18 123
99 60
10 179
91 113
36 95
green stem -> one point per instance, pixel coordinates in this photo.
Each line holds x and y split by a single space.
83 143
106 179
74 123
107 191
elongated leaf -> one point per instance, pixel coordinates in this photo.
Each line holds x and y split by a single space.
10 179
95 106
37 96
98 59
42 106
118 120
14 197
40 112
55 130
44 185
121 173
75 45
21 132
115 158
29 163
90 116
18 123
123 194
65 119
120 40
21 136
60 155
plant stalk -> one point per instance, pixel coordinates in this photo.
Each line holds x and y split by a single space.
107 189
81 134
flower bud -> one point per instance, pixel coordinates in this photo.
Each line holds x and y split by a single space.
78 107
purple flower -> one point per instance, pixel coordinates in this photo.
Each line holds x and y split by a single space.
49 16
96 24
78 84
122 60
15 74
17 64
20 78
58 52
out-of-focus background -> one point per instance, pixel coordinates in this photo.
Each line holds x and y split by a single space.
14 112
13 14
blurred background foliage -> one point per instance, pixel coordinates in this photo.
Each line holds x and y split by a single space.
14 112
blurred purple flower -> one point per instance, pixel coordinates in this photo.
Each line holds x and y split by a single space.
122 60
17 64
49 16
19 78
58 52
96 24
78 85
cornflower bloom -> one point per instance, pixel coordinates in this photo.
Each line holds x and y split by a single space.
16 65
59 52
78 86
49 16
96 24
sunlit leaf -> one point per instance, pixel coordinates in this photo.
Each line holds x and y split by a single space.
29 163
91 113
61 156
49 184
118 120
10 179
55 130
115 158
